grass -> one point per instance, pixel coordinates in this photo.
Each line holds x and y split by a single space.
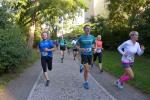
112 64
7 77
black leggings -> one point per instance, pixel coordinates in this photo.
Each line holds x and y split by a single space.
99 57
46 61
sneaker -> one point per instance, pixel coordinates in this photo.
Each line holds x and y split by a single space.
81 68
101 70
61 60
119 84
47 83
92 65
86 85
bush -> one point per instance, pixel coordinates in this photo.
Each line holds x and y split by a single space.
13 49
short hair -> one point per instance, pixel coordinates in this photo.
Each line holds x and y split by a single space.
86 26
44 32
99 36
133 33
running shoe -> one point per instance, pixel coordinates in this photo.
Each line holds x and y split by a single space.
92 65
101 70
47 83
61 60
86 85
119 84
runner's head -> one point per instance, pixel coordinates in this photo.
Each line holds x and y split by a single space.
99 37
87 29
44 35
62 37
134 35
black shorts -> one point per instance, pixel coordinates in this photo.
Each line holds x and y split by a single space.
62 48
46 61
99 55
86 59
75 49
68 47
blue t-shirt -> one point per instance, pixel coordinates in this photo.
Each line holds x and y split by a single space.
86 42
46 44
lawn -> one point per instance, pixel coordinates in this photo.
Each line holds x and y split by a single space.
112 64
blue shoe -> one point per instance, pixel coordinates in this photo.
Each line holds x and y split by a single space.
86 85
81 68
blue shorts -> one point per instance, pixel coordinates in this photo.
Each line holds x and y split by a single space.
127 65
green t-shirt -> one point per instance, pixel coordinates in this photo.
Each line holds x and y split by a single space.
69 44
62 42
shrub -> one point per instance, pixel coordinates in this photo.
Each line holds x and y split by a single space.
13 49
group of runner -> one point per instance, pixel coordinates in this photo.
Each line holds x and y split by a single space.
89 49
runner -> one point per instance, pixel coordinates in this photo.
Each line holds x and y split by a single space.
128 49
46 47
98 52
75 49
85 43
69 46
62 43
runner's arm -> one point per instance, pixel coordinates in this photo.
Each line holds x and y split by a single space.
121 47
140 51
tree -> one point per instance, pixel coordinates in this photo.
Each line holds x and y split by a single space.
38 11
123 13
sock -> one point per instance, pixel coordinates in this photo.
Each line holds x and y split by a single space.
124 78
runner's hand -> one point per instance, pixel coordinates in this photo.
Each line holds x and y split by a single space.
142 47
46 49
95 50
124 53
82 49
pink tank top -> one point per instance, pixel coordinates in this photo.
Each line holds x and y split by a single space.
99 43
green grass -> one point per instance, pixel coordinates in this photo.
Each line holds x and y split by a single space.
5 78
112 64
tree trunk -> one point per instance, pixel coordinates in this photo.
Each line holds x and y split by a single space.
31 34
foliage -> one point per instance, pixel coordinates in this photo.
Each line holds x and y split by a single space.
49 11
125 16
13 49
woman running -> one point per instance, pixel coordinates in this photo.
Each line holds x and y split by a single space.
46 47
128 49
98 52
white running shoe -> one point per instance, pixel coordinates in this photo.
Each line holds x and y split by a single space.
119 84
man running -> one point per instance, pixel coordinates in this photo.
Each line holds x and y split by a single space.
85 43
75 49
46 47
62 43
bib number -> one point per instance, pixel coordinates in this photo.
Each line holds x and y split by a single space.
131 58
44 53
88 49
99 50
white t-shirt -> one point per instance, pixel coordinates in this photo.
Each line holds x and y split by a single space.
130 49
73 42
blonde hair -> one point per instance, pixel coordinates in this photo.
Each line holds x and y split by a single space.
99 36
133 33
